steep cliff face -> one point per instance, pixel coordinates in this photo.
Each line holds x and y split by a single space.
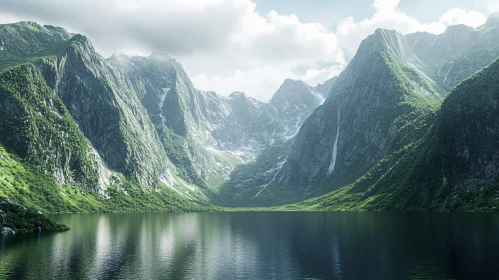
255 125
372 100
36 125
100 103
295 101
169 95
467 131
104 105
213 134
453 167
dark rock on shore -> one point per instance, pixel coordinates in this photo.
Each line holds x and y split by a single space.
16 218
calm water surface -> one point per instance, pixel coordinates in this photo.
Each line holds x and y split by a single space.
261 245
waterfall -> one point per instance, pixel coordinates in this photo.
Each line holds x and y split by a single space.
335 147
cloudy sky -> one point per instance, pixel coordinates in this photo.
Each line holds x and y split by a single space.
246 45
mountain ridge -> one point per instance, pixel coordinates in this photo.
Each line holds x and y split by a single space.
135 129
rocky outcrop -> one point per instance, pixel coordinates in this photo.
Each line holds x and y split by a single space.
18 219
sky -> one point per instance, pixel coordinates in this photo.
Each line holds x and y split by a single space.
246 45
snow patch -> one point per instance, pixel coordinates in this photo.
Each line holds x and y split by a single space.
168 180
178 185
161 102
277 168
421 72
317 96
447 74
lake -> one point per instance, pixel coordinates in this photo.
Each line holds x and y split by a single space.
259 245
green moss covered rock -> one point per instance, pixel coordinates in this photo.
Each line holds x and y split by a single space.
16 218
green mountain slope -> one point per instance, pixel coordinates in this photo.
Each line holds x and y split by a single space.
36 125
381 104
377 105
69 116
453 167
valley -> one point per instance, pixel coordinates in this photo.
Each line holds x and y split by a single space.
410 124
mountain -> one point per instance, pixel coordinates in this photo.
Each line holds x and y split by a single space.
207 135
107 127
449 58
361 122
68 113
454 167
384 101
82 133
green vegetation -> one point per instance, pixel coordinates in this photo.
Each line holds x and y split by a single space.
28 41
402 147
21 220
36 125
46 163
39 191
176 149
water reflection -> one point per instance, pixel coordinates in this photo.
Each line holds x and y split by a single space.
259 246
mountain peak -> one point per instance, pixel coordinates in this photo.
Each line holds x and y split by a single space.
50 30
27 24
160 55
292 84
238 94
289 80
457 28
385 35
383 39
296 92
493 20
120 58
119 55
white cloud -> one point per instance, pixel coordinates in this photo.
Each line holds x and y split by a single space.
225 45
258 80
460 16
492 6
387 15
265 50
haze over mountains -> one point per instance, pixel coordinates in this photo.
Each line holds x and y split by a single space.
409 124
